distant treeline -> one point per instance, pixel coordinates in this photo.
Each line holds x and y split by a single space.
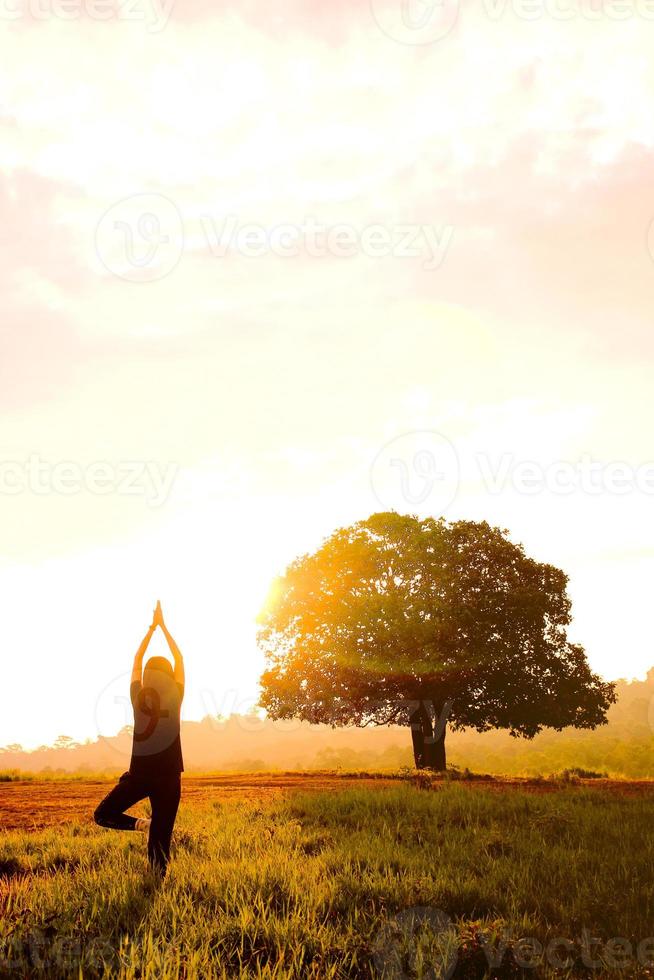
623 747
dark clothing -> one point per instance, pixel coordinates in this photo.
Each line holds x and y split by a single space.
156 746
155 768
164 791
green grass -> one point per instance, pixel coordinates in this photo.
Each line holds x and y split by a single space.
43 776
302 887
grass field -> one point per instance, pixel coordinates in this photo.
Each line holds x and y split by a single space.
319 885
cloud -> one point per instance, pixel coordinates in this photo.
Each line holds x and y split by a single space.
531 140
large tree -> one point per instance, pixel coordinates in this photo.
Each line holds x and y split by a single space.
401 621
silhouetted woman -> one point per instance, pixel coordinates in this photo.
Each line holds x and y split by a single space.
156 765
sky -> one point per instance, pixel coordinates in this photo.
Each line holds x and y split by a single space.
266 269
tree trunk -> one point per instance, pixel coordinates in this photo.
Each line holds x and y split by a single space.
417 735
428 737
436 750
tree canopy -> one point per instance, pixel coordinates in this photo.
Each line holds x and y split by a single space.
419 622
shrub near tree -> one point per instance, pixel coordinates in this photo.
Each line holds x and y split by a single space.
426 623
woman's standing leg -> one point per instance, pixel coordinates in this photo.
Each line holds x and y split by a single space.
165 795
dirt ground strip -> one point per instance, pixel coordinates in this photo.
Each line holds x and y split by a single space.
39 804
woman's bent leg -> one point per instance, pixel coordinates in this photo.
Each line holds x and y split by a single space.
110 813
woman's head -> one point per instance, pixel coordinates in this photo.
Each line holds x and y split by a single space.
158 673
